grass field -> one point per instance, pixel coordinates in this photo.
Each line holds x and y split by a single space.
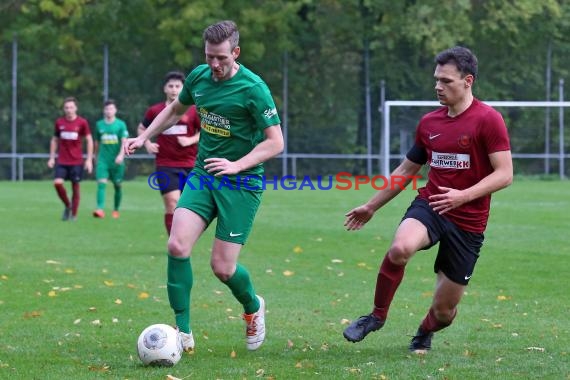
75 296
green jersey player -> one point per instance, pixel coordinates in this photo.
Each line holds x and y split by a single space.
240 130
110 134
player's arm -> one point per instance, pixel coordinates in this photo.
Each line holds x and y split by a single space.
164 120
89 161
188 140
52 151
151 148
121 156
271 146
500 177
359 216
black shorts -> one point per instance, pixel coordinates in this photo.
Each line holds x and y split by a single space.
73 173
171 178
458 249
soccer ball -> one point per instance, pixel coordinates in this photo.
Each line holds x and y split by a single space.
160 345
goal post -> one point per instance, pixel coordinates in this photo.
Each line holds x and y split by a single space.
385 151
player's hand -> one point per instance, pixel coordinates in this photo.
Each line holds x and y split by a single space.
184 140
132 144
358 217
151 148
221 166
119 159
88 166
51 163
447 200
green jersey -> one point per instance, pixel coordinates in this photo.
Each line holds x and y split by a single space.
233 114
109 136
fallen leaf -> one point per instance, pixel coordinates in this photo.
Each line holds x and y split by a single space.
118 301
115 320
354 370
345 321
52 293
4 277
69 271
143 295
170 377
108 283
92 308
103 368
96 322
503 298
53 262
260 372
77 321
32 314
288 273
233 354
298 249
298 365
361 265
336 261
290 343
131 286
539 349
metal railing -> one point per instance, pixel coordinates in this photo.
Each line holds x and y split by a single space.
291 158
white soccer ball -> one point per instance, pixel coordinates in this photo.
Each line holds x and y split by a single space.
160 345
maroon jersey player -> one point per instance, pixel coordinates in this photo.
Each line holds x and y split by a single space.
466 146
67 141
175 148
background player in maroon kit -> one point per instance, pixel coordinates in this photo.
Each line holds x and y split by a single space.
466 146
67 142
175 149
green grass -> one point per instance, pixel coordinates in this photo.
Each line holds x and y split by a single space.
57 279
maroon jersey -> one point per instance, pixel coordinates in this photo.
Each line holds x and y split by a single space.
170 152
70 134
458 151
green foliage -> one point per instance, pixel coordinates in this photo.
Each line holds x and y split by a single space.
61 53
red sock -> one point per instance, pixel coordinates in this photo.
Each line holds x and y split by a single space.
60 189
387 283
75 196
431 324
168 222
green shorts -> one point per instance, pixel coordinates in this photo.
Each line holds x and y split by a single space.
113 172
235 208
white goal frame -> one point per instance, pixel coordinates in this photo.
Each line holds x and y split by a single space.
387 105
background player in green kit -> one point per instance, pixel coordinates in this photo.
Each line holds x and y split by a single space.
110 134
240 130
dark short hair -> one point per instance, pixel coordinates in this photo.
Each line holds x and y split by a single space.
173 75
221 31
70 99
463 58
109 102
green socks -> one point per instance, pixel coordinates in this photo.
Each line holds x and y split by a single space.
242 289
101 195
118 196
179 285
